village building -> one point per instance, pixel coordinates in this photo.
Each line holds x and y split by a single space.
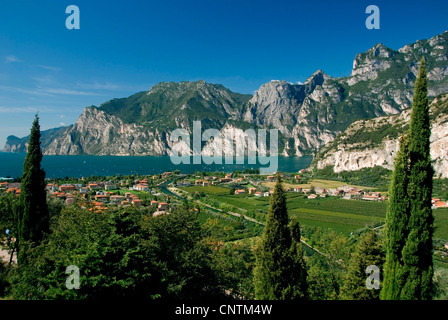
320 190
183 183
252 190
163 206
141 187
110 187
370 197
240 191
4 185
66 188
117 198
93 186
15 191
158 213
137 202
83 190
347 196
100 198
439 204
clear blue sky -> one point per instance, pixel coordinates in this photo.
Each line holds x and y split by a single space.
123 47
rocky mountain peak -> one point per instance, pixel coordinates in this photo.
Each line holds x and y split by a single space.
317 78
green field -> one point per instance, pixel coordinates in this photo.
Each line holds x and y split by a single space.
211 190
340 215
244 201
441 223
229 228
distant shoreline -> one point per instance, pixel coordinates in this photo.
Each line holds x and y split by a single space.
11 164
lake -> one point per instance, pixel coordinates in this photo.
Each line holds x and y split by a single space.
11 164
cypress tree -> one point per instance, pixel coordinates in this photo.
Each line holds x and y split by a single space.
418 251
408 269
33 216
280 269
368 252
396 230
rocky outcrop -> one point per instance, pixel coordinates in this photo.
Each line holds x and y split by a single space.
96 132
301 112
369 143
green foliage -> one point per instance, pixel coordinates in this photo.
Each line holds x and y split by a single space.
324 278
280 271
124 254
233 263
368 252
33 217
376 177
441 283
162 106
409 266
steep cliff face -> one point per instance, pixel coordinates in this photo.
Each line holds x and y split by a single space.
308 115
96 132
15 144
301 112
374 142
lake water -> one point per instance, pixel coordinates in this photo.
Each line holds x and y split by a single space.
11 164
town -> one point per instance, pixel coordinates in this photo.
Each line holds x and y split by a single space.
158 191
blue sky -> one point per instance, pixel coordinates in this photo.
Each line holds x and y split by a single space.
123 47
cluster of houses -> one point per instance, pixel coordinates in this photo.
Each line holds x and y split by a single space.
11 187
102 194
213 180
437 203
347 192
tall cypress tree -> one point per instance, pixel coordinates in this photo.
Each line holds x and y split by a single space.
418 251
280 269
33 216
408 269
396 230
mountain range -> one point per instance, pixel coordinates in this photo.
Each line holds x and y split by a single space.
311 117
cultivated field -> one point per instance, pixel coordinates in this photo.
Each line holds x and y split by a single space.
340 215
